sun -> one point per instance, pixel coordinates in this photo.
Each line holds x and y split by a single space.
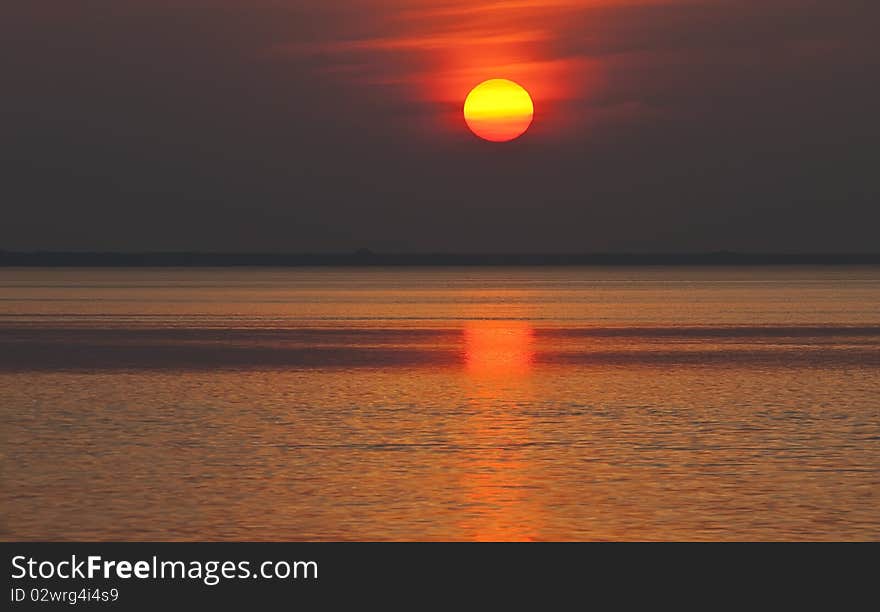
498 110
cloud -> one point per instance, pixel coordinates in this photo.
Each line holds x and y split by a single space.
417 42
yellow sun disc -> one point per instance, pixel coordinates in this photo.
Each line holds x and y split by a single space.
498 110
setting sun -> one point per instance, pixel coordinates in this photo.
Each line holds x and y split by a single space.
498 110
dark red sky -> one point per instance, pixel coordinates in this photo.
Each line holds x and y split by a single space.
318 125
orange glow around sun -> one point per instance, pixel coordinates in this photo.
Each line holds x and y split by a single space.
498 110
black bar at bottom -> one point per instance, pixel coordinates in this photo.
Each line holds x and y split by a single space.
130 576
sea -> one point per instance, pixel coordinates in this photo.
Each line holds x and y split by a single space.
470 403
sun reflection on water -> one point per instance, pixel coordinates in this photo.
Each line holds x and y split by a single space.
499 348
498 360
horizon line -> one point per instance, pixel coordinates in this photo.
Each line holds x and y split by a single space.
367 257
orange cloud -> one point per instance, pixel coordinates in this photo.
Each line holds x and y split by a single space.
606 55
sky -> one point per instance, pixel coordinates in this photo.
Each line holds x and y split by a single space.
333 125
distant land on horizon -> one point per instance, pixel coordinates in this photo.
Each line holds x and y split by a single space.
365 257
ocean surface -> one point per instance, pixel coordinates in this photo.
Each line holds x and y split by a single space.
440 404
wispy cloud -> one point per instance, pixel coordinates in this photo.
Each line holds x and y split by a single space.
637 52
431 42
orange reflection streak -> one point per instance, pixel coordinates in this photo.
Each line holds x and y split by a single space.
499 348
497 471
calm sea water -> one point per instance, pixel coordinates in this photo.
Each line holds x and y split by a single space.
462 404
